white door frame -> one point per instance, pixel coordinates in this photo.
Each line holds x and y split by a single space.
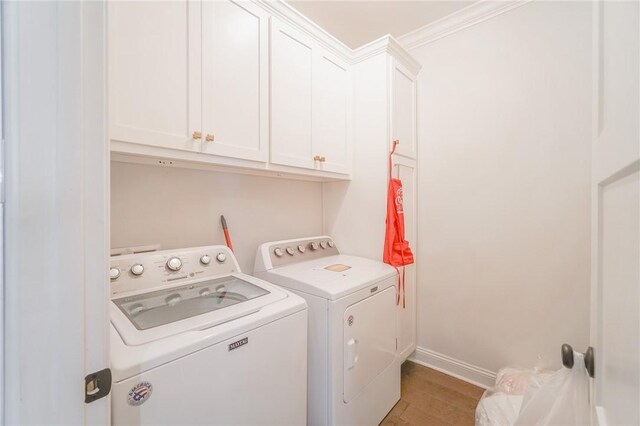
56 224
2 348
615 156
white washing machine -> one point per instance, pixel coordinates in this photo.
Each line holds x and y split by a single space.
194 341
354 372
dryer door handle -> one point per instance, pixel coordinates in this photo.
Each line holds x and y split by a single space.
352 353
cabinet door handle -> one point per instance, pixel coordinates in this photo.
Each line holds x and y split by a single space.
322 159
197 135
209 138
317 158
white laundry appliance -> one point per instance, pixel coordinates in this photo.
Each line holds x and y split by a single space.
194 341
354 371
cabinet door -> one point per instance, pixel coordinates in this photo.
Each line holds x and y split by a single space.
405 169
235 104
291 96
403 109
154 73
331 106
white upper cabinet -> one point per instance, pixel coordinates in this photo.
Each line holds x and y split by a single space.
331 106
310 103
235 79
291 96
223 82
154 73
403 109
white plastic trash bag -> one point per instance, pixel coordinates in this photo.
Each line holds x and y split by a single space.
533 397
500 404
563 399
498 409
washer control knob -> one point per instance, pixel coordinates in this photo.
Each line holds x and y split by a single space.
323 244
204 292
313 246
331 244
137 269
221 257
205 259
278 252
302 248
114 273
174 263
290 251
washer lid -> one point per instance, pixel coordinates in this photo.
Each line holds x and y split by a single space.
330 277
161 307
196 305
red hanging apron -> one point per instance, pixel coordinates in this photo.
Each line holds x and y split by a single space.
396 248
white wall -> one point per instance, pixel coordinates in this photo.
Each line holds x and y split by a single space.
504 160
181 208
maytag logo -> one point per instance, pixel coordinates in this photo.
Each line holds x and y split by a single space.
236 345
373 289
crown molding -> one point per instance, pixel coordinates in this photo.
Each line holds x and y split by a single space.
291 16
283 11
464 18
387 44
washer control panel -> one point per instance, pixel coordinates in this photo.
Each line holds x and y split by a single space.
141 272
292 251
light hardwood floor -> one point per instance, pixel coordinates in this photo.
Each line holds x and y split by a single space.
431 398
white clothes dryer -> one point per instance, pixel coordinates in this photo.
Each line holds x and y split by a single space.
354 371
194 341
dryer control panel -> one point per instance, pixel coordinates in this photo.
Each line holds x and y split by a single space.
279 253
141 272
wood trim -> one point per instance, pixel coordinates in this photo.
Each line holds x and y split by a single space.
464 18
469 373
96 207
387 44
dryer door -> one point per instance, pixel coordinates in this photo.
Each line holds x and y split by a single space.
369 340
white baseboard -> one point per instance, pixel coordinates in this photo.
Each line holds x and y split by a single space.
469 373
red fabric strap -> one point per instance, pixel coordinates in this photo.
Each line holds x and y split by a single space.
393 149
401 288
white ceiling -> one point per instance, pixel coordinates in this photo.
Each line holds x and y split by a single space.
358 22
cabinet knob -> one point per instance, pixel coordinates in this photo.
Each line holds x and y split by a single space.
322 159
319 158
209 138
197 135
